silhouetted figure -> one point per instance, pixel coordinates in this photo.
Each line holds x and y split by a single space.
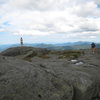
93 47
21 41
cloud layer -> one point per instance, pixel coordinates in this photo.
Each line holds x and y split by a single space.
74 18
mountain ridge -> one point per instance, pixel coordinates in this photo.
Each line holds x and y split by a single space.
56 46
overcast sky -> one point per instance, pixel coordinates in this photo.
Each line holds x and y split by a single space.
49 21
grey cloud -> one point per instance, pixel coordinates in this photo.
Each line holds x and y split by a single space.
87 28
97 1
90 29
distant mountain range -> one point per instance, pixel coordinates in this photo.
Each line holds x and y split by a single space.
59 46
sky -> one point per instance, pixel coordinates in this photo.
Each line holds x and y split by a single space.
49 21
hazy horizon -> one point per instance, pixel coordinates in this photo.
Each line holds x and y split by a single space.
49 21
49 43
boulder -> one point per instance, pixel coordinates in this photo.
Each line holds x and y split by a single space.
18 51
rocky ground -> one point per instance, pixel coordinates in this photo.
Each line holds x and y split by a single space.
28 73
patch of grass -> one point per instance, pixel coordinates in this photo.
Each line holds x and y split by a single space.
62 54
69 54
28 59
44 56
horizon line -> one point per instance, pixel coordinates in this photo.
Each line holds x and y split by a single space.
47 42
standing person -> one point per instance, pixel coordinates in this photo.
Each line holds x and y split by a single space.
93 47
21 41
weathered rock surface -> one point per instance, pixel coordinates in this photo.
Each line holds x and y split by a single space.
49 79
